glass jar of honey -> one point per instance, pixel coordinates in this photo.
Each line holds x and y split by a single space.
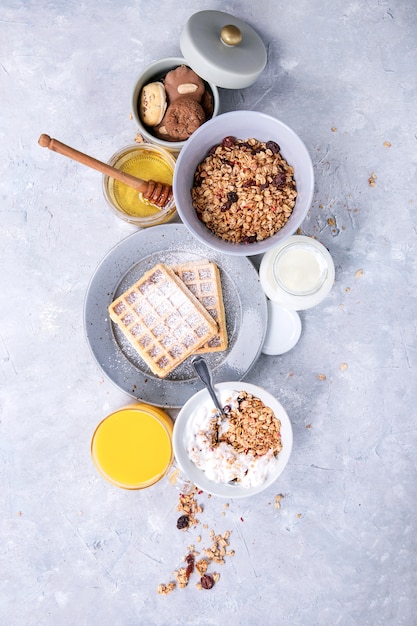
144 161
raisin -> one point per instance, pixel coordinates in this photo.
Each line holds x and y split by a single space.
190 565
228 142
279 180
213 149
232 196
250 239
249 183
273 146
183 522
225 206
207 581
227 409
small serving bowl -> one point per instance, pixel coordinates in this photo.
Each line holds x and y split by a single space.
146 161
154 72
198 477
242 125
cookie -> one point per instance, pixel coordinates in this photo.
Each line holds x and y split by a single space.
207 103
183 117
183 81
152 104
160 131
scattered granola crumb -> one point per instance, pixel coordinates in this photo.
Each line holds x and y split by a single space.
278 499
331 221
299 515
347 289
343 366
130 116
139 138
372 179
359 273
164 590
387 144
201 566
174 476
215 553
321 376
308 425
333 129
189 507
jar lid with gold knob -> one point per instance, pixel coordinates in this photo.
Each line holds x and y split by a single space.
223 49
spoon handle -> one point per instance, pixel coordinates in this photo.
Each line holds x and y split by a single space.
203 372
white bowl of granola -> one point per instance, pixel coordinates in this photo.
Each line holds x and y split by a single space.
239 454
243 183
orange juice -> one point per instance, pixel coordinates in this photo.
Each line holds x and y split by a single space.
132 447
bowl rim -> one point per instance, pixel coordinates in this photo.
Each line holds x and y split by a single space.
183 165
197 476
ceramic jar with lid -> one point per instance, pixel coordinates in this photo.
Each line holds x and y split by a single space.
222 49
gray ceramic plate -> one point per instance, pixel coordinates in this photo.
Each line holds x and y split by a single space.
244 300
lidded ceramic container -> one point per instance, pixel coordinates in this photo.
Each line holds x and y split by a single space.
222 49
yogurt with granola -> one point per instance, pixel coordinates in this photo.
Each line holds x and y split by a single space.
241 447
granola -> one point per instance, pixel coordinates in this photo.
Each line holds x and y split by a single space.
252 427
242 447
244 190
217 551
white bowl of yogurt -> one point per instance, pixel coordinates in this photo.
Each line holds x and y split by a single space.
209 457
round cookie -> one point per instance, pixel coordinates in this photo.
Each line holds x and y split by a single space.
207 103
161 132
152 104
183 117
183 82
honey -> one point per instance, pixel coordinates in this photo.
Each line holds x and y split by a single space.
131 448
147 162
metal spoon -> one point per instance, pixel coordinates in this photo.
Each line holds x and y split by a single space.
204 374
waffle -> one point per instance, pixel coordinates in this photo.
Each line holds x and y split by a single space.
162 319
203 280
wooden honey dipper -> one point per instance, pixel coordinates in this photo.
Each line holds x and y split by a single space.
159 194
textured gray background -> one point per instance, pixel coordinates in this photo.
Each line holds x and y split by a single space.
342 548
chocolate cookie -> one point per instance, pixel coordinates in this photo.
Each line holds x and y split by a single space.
207 103
183 117
183 81
161 132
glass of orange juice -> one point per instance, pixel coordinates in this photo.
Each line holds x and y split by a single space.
132 447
